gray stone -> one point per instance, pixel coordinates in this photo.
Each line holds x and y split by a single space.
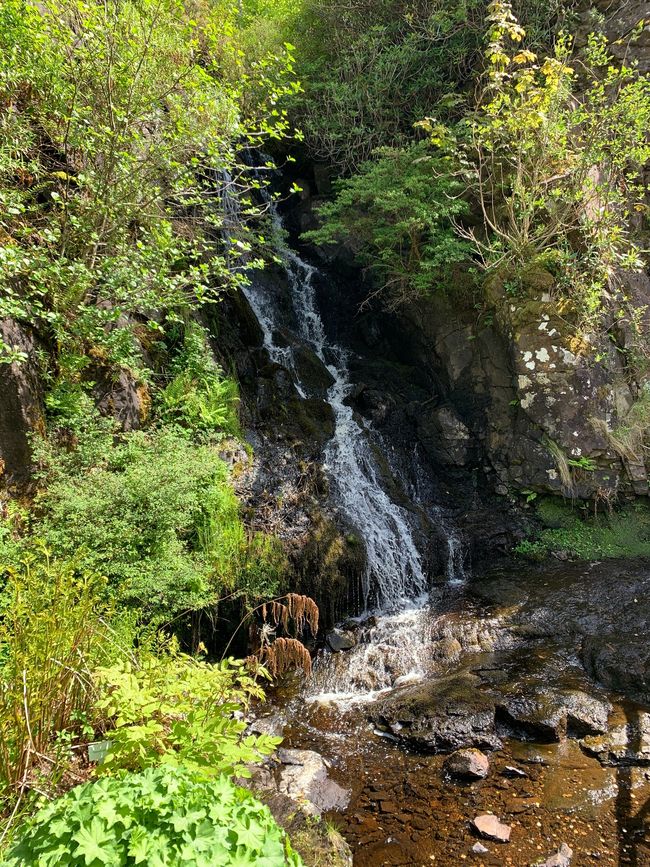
303 777
470 763
489 826
479 849
339 639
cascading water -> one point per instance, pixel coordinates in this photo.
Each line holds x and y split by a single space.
394 640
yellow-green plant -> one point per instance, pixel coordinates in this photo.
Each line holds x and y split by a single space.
554 155
173 709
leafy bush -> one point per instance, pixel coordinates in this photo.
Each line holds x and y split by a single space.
173 709
163 816
397 215
107 206
52 635
158 517
557 168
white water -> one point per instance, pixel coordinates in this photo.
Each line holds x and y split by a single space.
393 576
394 645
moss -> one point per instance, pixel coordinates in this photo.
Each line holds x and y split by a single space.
624 533
556 513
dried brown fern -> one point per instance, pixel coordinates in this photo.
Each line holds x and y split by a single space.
286 654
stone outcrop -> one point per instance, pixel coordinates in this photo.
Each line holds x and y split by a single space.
21 402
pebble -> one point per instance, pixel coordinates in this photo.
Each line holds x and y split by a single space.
479 849
562 858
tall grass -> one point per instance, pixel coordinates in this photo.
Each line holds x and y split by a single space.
52 634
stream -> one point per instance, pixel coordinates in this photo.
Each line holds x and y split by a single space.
516 662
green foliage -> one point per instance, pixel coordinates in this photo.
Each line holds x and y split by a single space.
624 533
371 68
397 213
52 634
157 515
172 709
199 396
162 816
555 161
115 118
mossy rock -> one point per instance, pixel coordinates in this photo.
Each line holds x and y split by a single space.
556 513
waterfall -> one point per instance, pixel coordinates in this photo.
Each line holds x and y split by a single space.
394 642
393 575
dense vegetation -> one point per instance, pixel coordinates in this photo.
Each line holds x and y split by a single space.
124 129
471 144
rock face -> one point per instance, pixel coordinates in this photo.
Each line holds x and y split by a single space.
471 764
21 402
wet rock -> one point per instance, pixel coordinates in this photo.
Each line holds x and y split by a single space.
470 763
268 725
511 771
303 777
624 744
490 827
21 402
620 661
561 858
340 639
446 714
479 849
551 715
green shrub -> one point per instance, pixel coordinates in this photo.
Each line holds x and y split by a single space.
173 709
162 817
397 214
159 518
624 533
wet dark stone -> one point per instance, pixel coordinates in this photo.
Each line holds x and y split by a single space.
620 662
440 716
339 639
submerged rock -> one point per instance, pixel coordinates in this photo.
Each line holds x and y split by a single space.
624 744
489 826
470 763
561 858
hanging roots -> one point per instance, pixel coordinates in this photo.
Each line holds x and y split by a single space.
286 654
301 609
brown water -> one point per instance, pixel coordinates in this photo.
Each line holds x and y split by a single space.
405 811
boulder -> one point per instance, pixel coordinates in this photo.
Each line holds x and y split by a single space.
440 716
490 827
303 777
470 763
340 639
620 661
